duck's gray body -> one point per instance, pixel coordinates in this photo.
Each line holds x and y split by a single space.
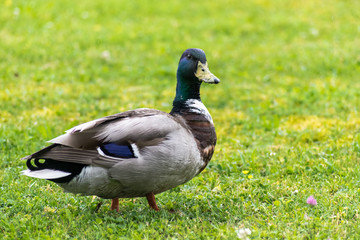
134 153
166 152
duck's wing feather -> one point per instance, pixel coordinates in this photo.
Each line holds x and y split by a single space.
86 143
127 126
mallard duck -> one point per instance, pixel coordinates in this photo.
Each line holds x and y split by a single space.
137 153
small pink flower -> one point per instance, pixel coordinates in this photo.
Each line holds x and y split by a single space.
311 201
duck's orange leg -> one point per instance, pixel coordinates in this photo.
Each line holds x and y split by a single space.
115 204
152 202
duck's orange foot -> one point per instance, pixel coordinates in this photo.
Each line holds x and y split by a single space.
152 202
115 204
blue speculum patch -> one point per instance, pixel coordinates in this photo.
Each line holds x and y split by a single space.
116 150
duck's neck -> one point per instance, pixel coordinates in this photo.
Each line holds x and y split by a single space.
186 90
187 101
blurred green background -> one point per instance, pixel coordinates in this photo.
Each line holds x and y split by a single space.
286 113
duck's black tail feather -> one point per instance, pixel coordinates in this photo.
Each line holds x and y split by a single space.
42 165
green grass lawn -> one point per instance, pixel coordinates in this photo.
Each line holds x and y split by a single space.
286 113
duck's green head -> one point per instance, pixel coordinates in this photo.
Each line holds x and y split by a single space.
192 71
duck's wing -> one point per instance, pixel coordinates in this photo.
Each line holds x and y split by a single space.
121 128
106 141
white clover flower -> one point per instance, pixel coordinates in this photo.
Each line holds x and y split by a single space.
106 55
243 233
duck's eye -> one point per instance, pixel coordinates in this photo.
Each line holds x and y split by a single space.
203 70
189 56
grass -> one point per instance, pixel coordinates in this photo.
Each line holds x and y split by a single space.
286 113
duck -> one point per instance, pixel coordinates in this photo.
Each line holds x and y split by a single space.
137 153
